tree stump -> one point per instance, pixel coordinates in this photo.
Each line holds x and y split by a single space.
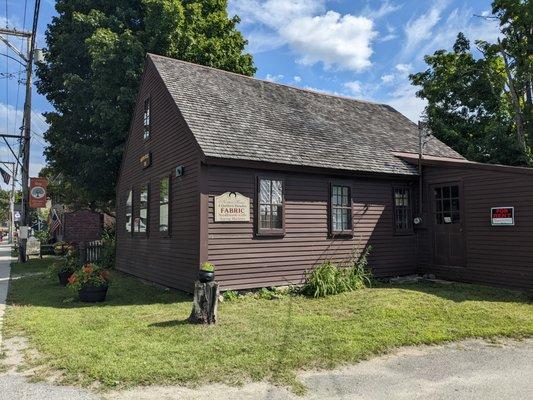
205 303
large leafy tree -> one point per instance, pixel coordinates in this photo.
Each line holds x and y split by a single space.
480 105
94 60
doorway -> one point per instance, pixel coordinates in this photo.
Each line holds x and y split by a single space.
448 225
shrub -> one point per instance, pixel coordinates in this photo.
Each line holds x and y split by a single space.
208 267
107 257
43 236
267 294
68 263
90 275
230 295
328 278
62 248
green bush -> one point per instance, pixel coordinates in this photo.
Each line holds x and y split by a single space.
107 256
208 267
328 278
230 295
67 263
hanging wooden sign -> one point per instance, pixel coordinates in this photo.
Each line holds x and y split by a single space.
38 192
232 207
146 160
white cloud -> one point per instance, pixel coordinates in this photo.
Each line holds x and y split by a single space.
460 20
403 69
274 78
387 38
384 9
297 79
338 41
11 120
274 13
387 78
402 95
409 105
419 29
355 87
433 30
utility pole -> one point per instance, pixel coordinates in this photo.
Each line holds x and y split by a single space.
28 60
11 199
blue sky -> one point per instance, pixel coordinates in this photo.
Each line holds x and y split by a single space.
361 49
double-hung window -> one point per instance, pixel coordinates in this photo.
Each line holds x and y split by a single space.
341 210
164 205
146 119
141 223
129 212
402 210
270 206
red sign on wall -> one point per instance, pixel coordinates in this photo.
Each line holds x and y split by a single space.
38 192
502 216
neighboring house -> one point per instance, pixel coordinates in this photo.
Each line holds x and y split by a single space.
80 225
267 181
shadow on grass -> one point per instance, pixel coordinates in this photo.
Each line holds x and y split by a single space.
169 324
460 292
41 291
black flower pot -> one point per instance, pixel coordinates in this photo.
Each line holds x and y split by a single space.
206 276
91 294
63 277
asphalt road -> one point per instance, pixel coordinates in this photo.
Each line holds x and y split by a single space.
458 371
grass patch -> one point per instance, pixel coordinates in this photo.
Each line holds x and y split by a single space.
32 266
140 337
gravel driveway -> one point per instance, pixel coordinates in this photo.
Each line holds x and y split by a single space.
471 369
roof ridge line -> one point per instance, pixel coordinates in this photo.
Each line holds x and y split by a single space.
337 96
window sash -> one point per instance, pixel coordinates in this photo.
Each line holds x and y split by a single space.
164 205
141 225
270 205
402 209
341 209
447 205
146 119
129 212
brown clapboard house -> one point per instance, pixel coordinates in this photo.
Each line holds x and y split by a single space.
267 181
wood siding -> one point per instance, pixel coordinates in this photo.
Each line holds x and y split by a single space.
244 260
500 256
170 260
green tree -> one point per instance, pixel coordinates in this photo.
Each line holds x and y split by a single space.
95 55
516 50
481 106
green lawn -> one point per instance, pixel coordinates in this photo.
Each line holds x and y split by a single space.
139 336
33 266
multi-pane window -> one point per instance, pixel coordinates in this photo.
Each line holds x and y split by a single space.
341 209
164 204
447 210
402 210
142 221
146 119
129 211
270 205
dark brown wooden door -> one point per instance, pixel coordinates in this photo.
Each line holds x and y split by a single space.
447 213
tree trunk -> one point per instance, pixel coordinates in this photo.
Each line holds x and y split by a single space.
205 303
515 101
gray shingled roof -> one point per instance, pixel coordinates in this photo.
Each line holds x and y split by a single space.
237 117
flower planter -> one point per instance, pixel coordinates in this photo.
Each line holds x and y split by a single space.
206 276
91 294
63 277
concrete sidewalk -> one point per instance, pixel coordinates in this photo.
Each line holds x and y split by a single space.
5 270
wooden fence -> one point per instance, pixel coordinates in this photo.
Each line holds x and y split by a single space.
90 251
